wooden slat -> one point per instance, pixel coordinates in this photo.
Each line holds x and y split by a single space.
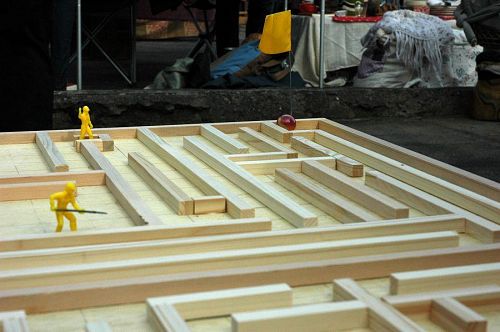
257 156
264 143
60 275
222 140
444 278
271 129
98 326
476 226
96 141
13 321
343 316
339 208
27 191
267 167
310 148
279 203
226 301
131 234
84 178
480 205
123 251
108 144
364 196
131 202
209 204
421 302
166 319
130 290
174 196
349 166
429 165
50 152
452 315
382 316
236 206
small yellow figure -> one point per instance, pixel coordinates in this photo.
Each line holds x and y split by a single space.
63 198
86 128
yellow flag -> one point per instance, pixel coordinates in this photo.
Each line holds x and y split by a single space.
277 35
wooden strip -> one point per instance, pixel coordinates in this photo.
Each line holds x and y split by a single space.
339 208
131 202
263 143
98 326
27 191
227 301
349 166
268 167
209 204
452 315
85 178
174 196
13 321
364 196
107 142
130 290
480 205
50 152
276 132
131 234
421 302
68 274
444 278
107 252
257 156
166 319
382 317
429 165
478 227
347 315
96 141
236 207
276 201
222 140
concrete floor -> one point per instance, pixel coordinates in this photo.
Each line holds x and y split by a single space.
462 142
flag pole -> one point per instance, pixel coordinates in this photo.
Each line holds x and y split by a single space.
322 44
79 44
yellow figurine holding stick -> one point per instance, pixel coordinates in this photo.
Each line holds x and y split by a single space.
86 128
63 198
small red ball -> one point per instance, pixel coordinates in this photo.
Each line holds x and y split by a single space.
287 121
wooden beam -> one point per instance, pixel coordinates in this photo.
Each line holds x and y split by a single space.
13 321
276 201
444 278
96 141
349 315
281 134
107 252
363 195
257 156
429 165
174 196
131 290
236 206
263 143
421 302
349 166
27 191
50 152
452 315
166 319
222 140
382 316
131 202
337 207
267 167
108 144
484 230
68 274
84 178
98 326
131 234
209 204
226 301
480 205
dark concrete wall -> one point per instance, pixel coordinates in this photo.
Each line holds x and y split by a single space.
145 107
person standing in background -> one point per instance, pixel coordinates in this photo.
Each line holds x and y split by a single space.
25 68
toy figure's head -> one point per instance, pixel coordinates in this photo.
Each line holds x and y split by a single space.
86 109
70 187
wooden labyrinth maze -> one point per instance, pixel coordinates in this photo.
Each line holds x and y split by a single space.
245 227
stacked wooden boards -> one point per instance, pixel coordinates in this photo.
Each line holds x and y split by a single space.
245 226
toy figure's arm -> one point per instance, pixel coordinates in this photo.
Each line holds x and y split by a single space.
90 124
79 112
52 201
75 204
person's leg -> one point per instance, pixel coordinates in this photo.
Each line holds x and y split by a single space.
62 34
60 222
72 221
227 32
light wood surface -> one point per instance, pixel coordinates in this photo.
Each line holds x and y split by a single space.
267 167
263 142
50 152
452 315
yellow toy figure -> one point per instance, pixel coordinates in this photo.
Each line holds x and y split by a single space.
86 128
63 198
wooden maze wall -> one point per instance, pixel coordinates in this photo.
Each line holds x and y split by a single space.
244 226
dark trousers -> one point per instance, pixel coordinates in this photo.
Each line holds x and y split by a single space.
227 25
62 35
257 12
